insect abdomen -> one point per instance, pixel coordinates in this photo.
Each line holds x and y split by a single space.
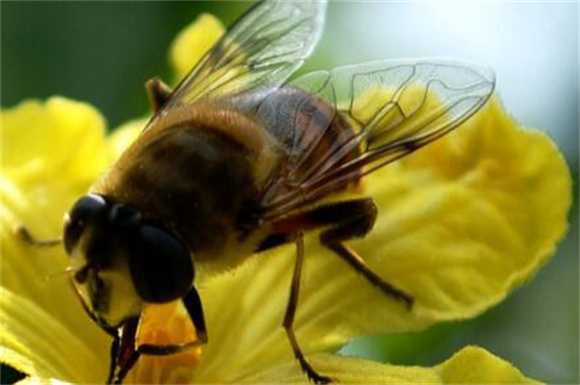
312 134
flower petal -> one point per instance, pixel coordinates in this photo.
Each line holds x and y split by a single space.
48 349
38 200
39 380
193 42
36 274
462 222
475 365
470 217
45 140
38 186
471 365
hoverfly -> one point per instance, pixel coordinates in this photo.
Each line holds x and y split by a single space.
237 160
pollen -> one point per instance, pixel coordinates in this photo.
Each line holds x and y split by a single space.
166 324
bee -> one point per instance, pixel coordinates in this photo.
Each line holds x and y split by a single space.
238 159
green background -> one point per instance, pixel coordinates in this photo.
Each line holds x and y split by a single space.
103 52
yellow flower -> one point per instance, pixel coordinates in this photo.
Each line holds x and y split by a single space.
462 223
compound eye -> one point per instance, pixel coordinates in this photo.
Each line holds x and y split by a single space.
87 209
160 265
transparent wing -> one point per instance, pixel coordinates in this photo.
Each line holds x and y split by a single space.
379 112
258 53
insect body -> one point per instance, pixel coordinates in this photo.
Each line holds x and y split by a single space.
237 159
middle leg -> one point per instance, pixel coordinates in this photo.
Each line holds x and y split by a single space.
291 312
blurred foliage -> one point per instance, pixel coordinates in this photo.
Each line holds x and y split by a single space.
100 52
103 52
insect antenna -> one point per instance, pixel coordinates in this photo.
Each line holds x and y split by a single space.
25 235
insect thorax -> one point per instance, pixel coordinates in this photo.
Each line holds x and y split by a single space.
196 180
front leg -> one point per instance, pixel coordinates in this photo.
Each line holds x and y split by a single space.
125 352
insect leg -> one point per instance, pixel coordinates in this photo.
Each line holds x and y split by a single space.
192 303
113 358
25 234
123 370
157 93
344 221
358 219
291 312
124 355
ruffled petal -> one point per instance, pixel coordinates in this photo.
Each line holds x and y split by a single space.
471 365
38 186
461 223
470 217
39 199
57 139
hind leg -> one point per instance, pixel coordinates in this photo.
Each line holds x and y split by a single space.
341 221
359 218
